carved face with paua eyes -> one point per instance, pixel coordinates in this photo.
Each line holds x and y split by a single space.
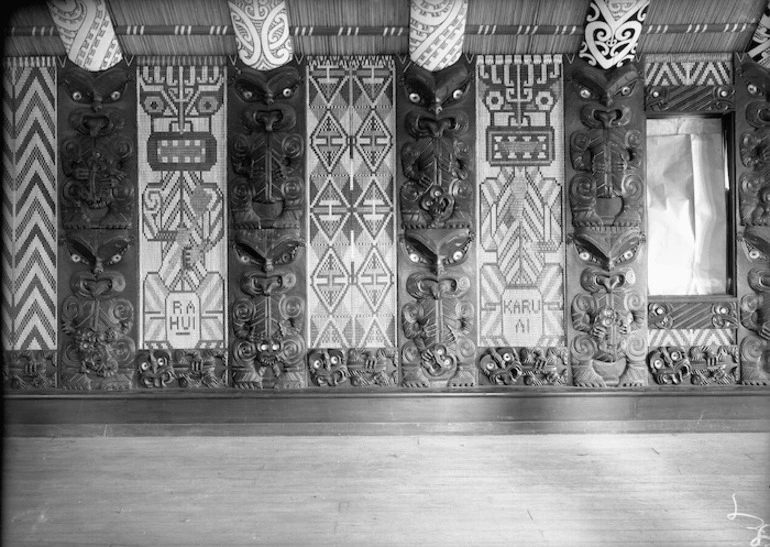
435 91
756 244
267 248
606 88
273 89
607 248
437 248
96 250
96 90
593 84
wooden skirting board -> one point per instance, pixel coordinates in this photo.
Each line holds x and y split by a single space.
729 409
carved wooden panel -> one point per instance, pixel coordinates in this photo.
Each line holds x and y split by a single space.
753 171
695 365
606 259
510 366
98 255
29 370
689 83
437 214
266 182
331 367
752 119
183 368
692 315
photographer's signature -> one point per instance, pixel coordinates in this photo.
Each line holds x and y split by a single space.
761 529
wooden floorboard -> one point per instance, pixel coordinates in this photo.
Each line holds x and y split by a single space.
592 489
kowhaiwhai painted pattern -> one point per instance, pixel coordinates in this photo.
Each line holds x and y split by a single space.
351 164
86 30
182 208
436 32
521 172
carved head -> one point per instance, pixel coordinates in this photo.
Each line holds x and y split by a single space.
435 91
270 94
607 248
756 244
95 90
97 249
606 87
756 78
267 249
438 248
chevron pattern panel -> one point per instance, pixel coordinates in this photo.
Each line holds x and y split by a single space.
351 165
29 205
7 191
520 155
689 70
182 174
691 337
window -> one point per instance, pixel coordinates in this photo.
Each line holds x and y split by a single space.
688 203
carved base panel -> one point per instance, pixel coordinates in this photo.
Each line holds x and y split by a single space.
695 365
528 366
29 370
183 368
331 368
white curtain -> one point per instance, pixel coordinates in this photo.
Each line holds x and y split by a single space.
686 200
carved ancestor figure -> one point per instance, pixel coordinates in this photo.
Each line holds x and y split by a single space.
268 323
754 147
97 212
437 216
267 215
266 155
96 192
755 307
606 201
96 317
753 121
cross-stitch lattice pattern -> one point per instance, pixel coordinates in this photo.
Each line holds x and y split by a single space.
29 205
351 251
521 172
182 173
675 70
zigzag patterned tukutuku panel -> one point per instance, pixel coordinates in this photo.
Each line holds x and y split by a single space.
691 337
687 70
182 233
6 214
352 251
521 173
34 208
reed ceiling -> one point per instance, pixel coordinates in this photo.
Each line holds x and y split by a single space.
375 15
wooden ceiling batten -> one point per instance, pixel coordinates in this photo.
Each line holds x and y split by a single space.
367 27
